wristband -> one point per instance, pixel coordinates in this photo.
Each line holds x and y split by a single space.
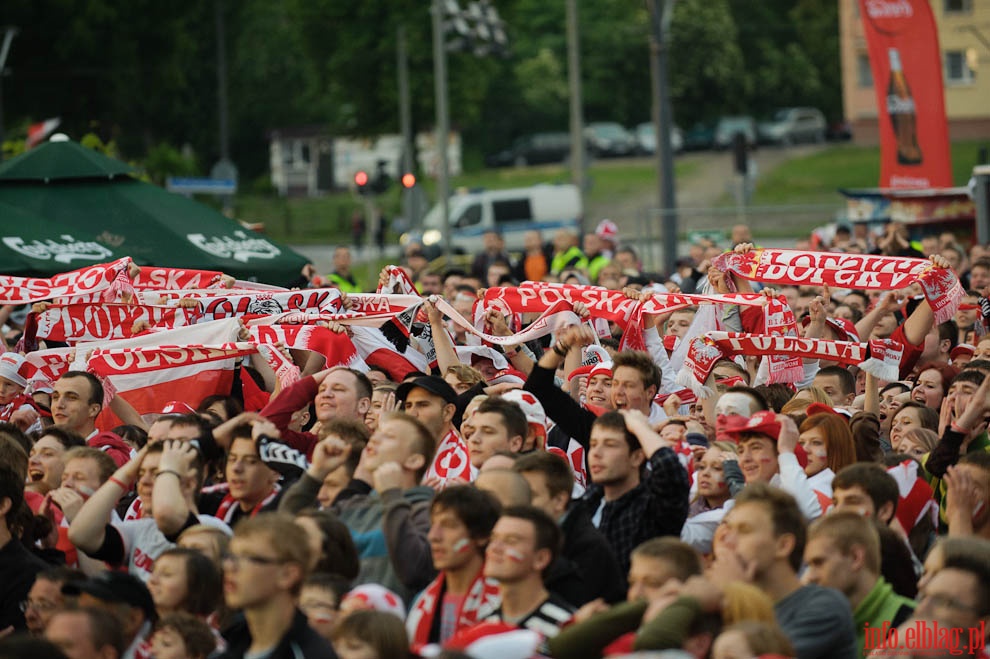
557 348
511 353
957 428
119 483
162 472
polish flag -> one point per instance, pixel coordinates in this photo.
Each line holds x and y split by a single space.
39 131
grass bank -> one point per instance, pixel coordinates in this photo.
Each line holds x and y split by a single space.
817 178
328 219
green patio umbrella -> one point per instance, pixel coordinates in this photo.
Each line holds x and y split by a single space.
58 161
72 198
33 246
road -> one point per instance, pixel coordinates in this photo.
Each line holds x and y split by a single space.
702 190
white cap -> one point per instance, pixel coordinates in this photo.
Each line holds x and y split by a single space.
10 368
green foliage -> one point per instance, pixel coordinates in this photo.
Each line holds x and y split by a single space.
143 73
164 160
708 77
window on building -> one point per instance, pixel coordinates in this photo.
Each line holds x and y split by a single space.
957 6
959 68
864 74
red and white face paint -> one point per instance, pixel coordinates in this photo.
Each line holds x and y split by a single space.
815 445
710 475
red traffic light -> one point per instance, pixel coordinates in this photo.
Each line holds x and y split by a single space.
408 180
361 179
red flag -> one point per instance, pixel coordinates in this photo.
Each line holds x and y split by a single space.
39 131
907 74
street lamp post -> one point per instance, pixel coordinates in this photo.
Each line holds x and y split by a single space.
443 123
660 14
478 30
579 168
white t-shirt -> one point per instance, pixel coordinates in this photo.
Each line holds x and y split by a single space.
144 542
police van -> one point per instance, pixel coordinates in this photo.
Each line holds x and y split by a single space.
511 213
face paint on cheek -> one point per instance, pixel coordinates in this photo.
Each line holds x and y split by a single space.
462 546
514 555
819 453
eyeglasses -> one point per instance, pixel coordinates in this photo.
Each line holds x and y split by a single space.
41 606
235 560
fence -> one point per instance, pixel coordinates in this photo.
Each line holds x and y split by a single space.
774 226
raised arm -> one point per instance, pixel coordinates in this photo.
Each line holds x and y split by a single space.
175 475
446 354
88 529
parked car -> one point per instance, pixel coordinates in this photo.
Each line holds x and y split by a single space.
727 127
700 136
534 149
840 131
607 138
793 125
647 139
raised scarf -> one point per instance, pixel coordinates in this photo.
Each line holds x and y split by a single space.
852 271
110 279
451 461
879 357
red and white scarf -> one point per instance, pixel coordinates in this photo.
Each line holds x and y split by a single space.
398 282
916 497
20 400
232 304
482 595
110 279
604 304
575 458
229 505
879 357
161 278
860 271
451 461
102 321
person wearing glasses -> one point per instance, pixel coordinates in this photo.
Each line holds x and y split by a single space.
45 598
264 572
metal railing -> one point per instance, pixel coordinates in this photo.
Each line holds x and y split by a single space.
777 226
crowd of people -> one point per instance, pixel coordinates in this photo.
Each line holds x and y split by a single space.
561 496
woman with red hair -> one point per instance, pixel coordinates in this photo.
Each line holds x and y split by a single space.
828 442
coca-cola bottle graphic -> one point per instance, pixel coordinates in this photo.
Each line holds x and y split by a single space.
900 107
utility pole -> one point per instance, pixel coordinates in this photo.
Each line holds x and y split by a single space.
578 167
660 14
224 169
409 210
8 36
222 79
443 124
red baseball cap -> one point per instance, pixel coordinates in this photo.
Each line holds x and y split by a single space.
591 370
962 349
177 407
762 423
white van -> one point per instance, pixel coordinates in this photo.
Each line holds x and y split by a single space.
511 212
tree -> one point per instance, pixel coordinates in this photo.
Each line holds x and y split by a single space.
707 74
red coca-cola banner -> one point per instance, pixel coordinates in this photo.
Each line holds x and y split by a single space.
907 75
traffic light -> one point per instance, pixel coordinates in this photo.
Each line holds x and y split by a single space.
361 181
408 180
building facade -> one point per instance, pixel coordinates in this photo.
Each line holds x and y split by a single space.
964 41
